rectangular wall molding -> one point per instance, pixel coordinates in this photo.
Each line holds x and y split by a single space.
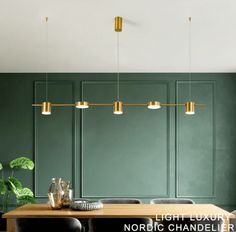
132 92
54 137
195 157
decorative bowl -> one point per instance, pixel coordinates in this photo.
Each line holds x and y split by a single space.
84 205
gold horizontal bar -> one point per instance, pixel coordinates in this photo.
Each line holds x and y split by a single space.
97 104
63 104
55 104
172 104
180 104
127 104
111 104
200 104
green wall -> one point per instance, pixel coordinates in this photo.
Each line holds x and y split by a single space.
142 153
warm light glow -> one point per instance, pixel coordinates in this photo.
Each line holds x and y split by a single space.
46 108
154 105
118 107
190 108
82 105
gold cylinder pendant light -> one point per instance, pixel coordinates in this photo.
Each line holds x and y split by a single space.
82 104
154 105
190 108
118 24
190 105
118 107
46 108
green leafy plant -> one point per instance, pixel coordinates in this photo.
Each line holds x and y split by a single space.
11 185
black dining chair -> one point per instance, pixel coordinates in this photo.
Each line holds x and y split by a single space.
209 224
83 221
172 222
185 224
120 224
3 223
48 224
171 201
120 201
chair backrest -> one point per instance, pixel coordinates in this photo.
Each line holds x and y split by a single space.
187 224
48 224
210 225
120 224
120 201
171 201
3 224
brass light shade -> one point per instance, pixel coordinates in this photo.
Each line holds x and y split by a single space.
46 108
118 24
82 104
118 107
190 108
154 105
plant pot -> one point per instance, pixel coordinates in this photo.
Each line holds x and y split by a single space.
3 222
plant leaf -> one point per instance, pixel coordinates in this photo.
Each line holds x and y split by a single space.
22 162
3 187
1 167
14 183
24 192
22 200
8 185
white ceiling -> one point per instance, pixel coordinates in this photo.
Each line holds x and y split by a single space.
82 39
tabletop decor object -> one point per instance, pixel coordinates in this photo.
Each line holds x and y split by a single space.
67 193
84 205
55 193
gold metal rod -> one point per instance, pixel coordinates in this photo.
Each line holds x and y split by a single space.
127 104
200 104
172 104
97 104
55 105
63 104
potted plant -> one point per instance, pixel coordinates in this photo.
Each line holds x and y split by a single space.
10 185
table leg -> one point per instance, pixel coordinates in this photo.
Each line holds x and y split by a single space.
11 225
226 225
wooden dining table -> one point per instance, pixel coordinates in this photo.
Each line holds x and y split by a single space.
154 211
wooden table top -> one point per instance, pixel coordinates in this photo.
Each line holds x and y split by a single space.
121 210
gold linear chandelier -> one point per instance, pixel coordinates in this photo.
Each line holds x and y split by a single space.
118 105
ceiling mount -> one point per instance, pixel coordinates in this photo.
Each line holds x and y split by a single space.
118 23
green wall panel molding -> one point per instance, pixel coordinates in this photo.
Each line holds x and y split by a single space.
192 150
54 136
182 145
122 149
